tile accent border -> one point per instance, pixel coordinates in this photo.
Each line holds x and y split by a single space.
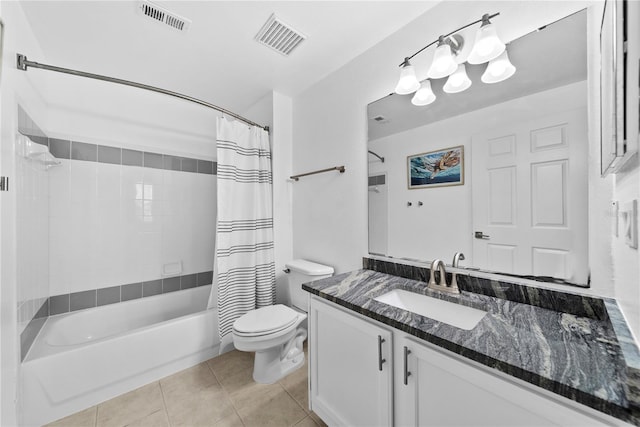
76 150
65 303
579 305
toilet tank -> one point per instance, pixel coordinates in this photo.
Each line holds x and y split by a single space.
303 271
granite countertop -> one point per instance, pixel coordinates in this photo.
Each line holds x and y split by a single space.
580 357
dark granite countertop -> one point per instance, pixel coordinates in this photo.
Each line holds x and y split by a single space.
579 356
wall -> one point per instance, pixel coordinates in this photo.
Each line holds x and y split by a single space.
330 210
446 218
115 222
17 88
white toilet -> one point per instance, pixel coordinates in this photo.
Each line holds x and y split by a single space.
276 333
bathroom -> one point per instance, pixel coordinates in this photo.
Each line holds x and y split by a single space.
315 104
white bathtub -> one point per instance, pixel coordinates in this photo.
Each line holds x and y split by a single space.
83 358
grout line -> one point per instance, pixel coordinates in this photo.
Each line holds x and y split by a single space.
95 420
226 392
164 403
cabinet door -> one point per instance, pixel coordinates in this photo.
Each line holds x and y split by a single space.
444 391
350 368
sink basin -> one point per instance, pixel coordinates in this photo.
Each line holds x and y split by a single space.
453 314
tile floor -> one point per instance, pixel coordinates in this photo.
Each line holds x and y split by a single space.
218 392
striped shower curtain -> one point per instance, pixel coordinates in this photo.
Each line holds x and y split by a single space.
244 267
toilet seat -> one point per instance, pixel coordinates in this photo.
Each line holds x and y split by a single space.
266 321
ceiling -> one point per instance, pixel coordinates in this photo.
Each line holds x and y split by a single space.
541 62
217 59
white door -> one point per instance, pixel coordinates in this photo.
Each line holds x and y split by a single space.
530 197
350 368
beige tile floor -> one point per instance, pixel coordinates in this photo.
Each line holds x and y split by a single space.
218 392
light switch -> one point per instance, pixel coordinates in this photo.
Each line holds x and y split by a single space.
629 222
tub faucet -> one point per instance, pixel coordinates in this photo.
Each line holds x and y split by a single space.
437 264
459 256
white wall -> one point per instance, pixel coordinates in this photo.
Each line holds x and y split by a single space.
330 127
17 87
32 192
445 220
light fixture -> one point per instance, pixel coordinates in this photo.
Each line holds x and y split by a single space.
487 46
443 63
458 81
424 95
499 69
408 82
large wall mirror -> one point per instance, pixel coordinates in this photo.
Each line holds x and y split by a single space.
523 204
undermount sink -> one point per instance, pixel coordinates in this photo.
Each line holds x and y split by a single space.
453 314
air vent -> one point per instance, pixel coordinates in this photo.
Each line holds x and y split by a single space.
279 36
163 16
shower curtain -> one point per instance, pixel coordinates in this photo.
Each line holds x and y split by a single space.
244 267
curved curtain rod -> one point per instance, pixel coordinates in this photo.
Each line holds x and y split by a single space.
381 158
23 63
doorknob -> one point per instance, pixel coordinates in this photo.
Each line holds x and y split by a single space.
481 235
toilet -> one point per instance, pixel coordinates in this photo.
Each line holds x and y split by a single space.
276 333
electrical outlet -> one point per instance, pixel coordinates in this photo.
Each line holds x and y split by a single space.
629 217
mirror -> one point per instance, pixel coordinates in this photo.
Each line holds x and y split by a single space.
521 205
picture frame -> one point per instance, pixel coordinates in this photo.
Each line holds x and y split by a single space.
439 168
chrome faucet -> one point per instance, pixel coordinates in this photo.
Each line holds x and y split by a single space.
437 264
459 256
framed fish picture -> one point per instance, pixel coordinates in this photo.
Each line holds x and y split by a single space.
436 168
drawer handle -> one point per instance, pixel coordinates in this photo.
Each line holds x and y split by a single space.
380 359
407 352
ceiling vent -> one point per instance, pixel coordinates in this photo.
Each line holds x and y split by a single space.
163 16
279 36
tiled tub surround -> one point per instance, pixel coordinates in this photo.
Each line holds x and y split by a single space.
589 358
115 216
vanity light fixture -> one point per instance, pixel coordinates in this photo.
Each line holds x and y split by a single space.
499 69
458 81
408 82
424 95
487 48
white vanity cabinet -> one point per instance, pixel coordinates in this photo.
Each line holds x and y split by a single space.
350 369
364 373
435 388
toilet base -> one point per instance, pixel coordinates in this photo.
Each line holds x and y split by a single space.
273 364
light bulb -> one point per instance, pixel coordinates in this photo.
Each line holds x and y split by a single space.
499 69
408 82
487 45
443 63
424 95
458 81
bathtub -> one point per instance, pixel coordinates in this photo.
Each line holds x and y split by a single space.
82 358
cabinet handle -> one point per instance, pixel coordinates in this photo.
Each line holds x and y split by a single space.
407 352
380 359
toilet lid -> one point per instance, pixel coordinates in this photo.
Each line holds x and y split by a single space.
266 319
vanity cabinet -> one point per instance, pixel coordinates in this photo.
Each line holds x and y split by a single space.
435 388
350 369
363 373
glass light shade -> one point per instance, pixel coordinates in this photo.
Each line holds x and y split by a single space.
487 45
458 81
499 69
424 95
408 82
443 63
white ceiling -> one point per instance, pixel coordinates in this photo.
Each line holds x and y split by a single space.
217 60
